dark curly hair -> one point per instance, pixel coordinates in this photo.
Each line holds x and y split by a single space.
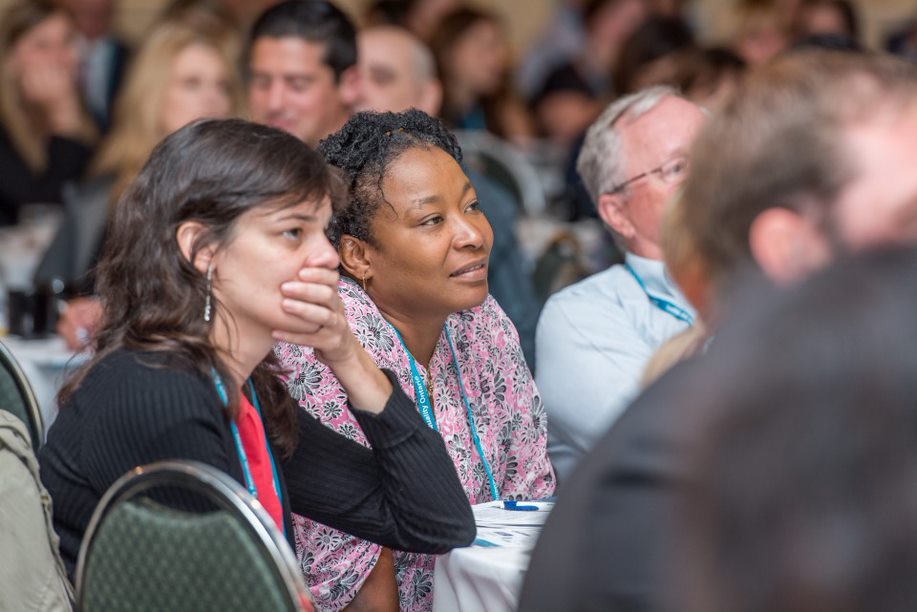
363 150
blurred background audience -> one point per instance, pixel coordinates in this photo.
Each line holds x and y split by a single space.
535 80
46 135
103 56
184 70
472 57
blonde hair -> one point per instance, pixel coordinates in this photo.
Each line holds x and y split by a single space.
137 126
16 22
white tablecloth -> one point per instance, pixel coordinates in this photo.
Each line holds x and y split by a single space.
488 575
46 363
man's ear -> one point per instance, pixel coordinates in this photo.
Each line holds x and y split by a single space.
431 97
786 245
349 86
356 257
187 235
611 209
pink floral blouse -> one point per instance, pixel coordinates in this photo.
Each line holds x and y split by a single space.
508 414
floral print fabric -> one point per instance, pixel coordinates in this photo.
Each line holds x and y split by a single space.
508 414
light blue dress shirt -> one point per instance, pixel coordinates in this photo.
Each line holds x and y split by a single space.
592 343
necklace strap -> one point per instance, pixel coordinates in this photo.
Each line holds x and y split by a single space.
240 448
425 403
661 303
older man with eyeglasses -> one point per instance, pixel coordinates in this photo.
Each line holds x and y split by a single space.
595 337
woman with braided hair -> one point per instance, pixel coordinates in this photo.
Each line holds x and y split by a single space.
414 246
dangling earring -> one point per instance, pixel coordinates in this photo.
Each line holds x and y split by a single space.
207 304
364 283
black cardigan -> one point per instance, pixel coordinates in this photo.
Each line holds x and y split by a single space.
135 408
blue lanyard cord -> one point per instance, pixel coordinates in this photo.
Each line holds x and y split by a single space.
474 429
424 402
425 405
243 457
662 304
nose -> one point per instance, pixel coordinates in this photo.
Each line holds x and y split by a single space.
470 233
217 101
275 96
323 256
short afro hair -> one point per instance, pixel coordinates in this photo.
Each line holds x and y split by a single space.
363 150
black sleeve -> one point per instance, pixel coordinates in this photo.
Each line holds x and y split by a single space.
402 493
154 415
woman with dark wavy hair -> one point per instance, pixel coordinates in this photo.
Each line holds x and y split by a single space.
216 251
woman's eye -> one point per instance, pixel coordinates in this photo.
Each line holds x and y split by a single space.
294 233
476 205
432 220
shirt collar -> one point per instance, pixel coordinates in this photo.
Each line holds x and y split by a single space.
654 274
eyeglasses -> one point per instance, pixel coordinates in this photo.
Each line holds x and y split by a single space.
671 172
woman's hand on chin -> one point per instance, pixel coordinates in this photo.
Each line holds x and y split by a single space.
319 320
316 315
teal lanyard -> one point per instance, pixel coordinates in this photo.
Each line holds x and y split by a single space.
425 406
243 457
662 304
424 403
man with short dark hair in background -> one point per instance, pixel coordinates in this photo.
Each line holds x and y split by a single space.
302 74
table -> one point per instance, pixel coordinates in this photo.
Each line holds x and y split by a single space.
488 574
46 362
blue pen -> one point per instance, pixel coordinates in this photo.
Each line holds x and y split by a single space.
512 504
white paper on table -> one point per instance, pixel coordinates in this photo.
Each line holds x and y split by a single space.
492 514
507 537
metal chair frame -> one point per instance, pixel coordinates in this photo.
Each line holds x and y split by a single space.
219 488
528 183
36 424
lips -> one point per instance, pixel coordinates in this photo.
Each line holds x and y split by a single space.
472 269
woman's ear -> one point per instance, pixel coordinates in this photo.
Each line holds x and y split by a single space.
187 235
356 257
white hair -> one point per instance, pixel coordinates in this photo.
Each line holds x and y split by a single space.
601 162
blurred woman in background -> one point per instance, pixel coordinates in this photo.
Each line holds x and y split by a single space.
45 133
184 71
472 55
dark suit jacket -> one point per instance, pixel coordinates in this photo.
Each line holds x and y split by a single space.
608 542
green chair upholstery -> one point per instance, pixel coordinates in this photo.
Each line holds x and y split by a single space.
140 554
17 397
